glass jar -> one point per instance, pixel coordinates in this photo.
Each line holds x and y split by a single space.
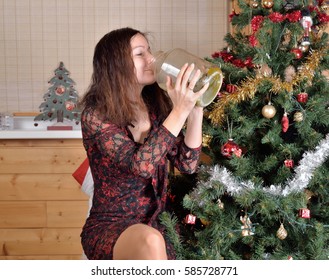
6 121
170 63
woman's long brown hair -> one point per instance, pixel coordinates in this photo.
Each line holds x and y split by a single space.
114 83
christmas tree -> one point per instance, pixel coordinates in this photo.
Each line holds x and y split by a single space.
263 193
61 99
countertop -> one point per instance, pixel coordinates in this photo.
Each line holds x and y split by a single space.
40 134
27 128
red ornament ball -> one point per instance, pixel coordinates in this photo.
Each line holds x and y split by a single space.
302 97
69 105
60 90
298 53
230 148
230 88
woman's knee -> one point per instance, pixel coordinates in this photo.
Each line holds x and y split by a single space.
141 242
152 239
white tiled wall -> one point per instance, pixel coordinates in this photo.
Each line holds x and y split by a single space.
35 35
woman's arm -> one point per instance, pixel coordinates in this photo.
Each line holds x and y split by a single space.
186 153
115 146
193 135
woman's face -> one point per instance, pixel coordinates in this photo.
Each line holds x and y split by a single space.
142 58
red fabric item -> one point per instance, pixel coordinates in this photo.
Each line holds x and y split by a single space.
80 173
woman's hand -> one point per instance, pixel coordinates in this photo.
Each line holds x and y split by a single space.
183 98
181 93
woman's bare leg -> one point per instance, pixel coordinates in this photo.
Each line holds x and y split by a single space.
140 242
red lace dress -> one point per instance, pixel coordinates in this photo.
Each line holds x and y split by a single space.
130 180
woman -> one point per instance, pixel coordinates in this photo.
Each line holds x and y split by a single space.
131 129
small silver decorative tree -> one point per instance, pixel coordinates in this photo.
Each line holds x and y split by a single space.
60 101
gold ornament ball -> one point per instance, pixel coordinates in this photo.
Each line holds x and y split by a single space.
254 4
245 232
220 204
324 6
289 73
325 73
281 233
308 194
247 226
206 139
264 70
298 117
204 222
268 4
268 111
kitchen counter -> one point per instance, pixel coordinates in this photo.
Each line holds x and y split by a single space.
40 134
27 128
42 206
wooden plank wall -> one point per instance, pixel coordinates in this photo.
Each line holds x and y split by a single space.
42 208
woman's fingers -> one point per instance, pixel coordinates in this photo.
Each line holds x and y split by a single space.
186 78
181 90
194 79
185 82
181 75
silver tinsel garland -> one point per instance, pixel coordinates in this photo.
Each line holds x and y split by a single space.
303 174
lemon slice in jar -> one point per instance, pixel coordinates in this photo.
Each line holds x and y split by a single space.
214 77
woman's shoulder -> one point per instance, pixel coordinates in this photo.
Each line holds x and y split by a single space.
91 120
89 116
88 111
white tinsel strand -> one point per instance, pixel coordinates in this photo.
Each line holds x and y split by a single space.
307 165
222 175
303 175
